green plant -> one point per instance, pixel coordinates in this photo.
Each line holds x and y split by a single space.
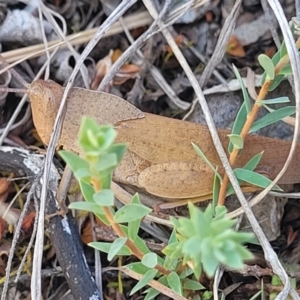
275 70
204 241
179 269
199 243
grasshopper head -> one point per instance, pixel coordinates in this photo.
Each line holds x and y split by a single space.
45 97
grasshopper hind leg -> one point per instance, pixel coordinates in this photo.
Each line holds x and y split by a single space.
177 180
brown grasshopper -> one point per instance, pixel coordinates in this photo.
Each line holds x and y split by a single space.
160 157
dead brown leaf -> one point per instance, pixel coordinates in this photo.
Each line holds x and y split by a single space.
126 72
103 232
102 67
235 48
28 221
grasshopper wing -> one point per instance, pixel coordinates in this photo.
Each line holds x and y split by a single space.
177 180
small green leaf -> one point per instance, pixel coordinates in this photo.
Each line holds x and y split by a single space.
138 267
119 150
254 240
150 260
106 181
144 281
88 206
250 165
105 247
173 237
286 70
282 51
267 65
276 280
210 264
95 139
131 212
192 285
204 158
174 283
106 164
172 250
151 293
74 161
238 123
104 198
133 229
197 269
140 243
87 191
115 247
83 174
274 101
275 59
186 272
91 138
254 178
272 117
134 226
244 90
136 199
275 83
237 141
220 211
170 263
207 295
216 191
253 162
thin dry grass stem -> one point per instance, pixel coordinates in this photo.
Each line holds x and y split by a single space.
156 74
134 47
55 47
62 34
24 119
250 120
98 264
219 52
271 22
14 72
135 20
30 244
220 48
12 90
295 65
45 42
15 241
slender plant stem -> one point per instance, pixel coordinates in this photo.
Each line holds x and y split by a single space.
120 232
250 119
